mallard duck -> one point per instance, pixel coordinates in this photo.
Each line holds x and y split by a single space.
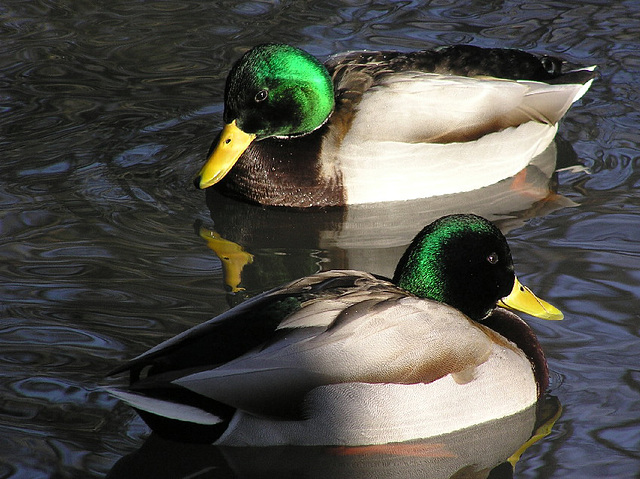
384 126
348 358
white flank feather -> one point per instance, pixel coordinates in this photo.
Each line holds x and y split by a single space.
468 165
361 413
413 341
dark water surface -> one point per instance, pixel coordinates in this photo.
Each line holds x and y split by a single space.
106 112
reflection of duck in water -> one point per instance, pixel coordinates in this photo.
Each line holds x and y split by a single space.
384 126
288 243
233 257
470 453
346 358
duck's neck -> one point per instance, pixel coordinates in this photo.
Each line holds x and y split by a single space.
517 331
284 172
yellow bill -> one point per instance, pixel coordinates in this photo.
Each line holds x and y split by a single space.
232 143
522 299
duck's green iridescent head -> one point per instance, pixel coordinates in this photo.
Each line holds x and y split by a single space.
273 90
465 261
278 90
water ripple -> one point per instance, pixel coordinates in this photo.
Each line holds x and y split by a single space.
107 110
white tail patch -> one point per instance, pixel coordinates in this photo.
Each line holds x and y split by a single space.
168 409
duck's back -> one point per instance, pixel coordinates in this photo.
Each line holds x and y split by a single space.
459 60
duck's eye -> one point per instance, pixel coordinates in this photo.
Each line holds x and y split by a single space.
261 95
492 258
